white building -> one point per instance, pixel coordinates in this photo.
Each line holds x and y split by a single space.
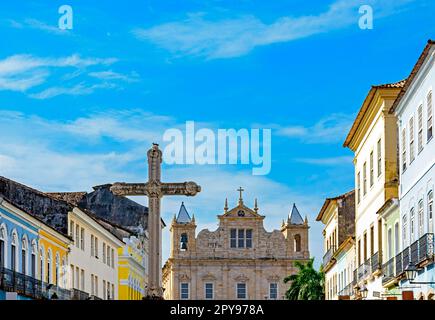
338 215
414 111
373 140
93 258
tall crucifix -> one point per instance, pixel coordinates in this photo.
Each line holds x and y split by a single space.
155 190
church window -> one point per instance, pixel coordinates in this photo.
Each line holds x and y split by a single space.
297 243
184 290
273 291
249 238
183 242
241 290
241 238
209 290
233 238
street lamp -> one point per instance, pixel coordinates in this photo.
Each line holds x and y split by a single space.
364 292
411 274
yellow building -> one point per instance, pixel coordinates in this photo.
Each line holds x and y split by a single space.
132 264
53 256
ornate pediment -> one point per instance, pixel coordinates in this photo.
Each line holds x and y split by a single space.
208 277
183 277
241 211
241 278
273 278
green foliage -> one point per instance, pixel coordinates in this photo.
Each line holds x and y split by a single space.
307 283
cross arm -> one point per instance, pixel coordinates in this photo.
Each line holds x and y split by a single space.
128 189
189 188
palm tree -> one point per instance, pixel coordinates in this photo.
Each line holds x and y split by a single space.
307 283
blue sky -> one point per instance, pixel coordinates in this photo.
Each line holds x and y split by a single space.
81 107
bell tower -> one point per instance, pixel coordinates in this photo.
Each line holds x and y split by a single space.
295 230
183 227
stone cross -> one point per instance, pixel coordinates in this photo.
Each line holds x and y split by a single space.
155 190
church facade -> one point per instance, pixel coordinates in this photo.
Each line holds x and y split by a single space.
238 261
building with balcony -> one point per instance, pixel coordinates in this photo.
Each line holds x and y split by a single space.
239 260
373 139
91 268
414 111
338 216
32 256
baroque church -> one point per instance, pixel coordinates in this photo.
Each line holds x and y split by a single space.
239 260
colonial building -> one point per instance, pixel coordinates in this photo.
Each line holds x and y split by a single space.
373 139
414 110
239 260
92 262
338 216
33 256
129 221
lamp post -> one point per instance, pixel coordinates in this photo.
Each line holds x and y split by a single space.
411 274
364 292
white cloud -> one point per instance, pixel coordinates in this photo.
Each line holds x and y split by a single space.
111 75
77 90
22 72
343 160
39 25
237 36
331 129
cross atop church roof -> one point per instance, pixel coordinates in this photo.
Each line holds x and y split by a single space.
183 215
295 217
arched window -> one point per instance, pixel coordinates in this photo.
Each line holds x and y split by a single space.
49 256
33 259
404 230
411 225
41 263
183 242
430 210
14 243
420 218
24 255
57 269
297 243
3 234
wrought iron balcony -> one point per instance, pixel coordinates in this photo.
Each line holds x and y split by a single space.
388 270
22 284
328 255
79 295
425 247
364 270
376 262
413 259
399 264
347 291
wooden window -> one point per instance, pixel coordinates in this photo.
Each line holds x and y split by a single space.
403 149
379 154
364 178
92 246
429 116
208 288
371 169
420 218
430 211
372 240
184 290
358 186
411 140
411 224
273 291
420 128
82 239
